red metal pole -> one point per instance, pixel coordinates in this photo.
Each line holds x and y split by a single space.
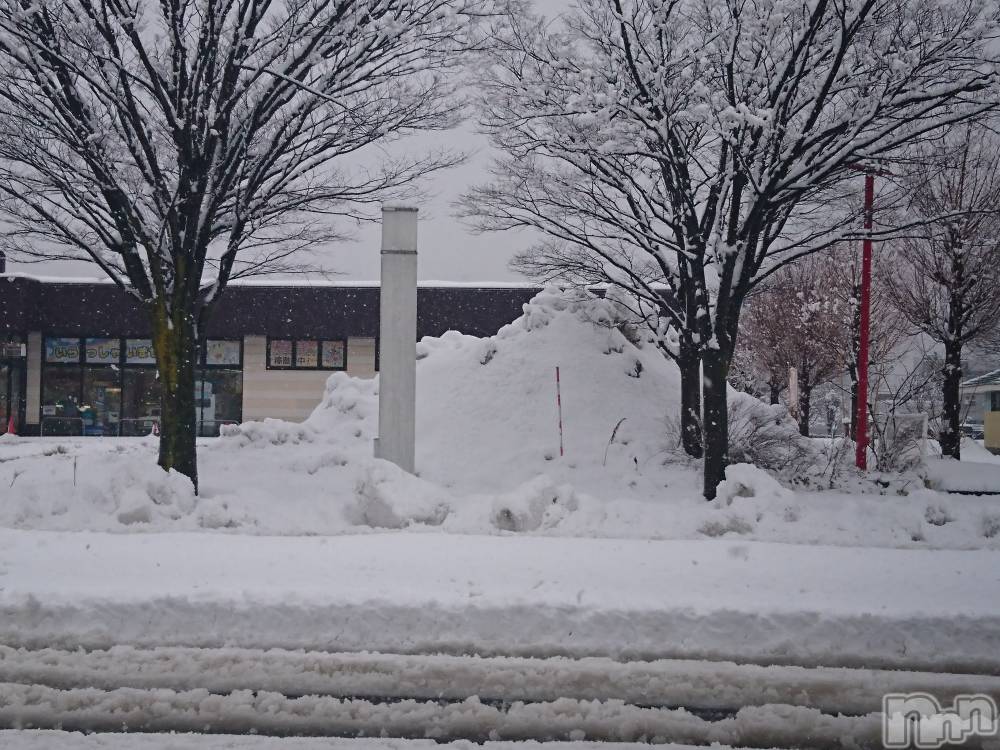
861 456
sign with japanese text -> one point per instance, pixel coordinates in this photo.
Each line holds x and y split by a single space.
103 351
62 350
280 354
139 352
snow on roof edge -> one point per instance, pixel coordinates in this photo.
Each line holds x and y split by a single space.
989 378
348 283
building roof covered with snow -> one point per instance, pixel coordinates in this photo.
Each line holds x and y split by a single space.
987 382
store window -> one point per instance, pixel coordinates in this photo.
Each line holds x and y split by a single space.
219 389
12 366
62 387
995 401
220 400
335 355
110 386
279 354
61 396
12 347
100 408
139 352
307 354
81 386
220 353
140 389
62 351
140 401
102 351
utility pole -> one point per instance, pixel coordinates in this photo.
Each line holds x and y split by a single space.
864 343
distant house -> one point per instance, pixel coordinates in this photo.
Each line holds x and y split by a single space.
981 402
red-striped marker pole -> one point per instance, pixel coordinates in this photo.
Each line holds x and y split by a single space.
559 404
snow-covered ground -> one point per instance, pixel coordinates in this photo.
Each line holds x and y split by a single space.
75 741
489 463
510 592
431 593
977 472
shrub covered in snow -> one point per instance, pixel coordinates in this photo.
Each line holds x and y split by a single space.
764 435
537 504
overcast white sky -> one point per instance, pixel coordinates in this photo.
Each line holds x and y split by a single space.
448 250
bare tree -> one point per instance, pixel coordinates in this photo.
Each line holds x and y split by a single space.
749 375
947 277
901 387
695 142
570 256
888 335
795 319
180 143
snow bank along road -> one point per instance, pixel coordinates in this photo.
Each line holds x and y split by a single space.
627 640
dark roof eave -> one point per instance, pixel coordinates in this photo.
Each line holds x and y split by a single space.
303 311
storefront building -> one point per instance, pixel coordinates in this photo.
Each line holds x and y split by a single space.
76 357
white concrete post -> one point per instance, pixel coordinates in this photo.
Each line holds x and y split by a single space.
398 338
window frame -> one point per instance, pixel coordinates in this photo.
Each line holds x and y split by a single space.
320 366
81 357
12 338
122 364
203 356
124 358
79 364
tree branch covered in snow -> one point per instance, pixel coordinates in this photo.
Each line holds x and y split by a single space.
695 143
139 135
181 143
797 319
947 279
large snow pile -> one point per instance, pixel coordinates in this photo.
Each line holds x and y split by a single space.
489 458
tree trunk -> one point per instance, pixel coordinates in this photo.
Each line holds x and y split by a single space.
951 428
690 367
775 394
805 402
716 433
853 372
852 367
175 341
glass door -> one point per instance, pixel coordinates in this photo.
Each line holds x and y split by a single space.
11 397
5 378
100 409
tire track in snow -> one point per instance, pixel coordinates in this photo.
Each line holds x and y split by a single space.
92 710
698 685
